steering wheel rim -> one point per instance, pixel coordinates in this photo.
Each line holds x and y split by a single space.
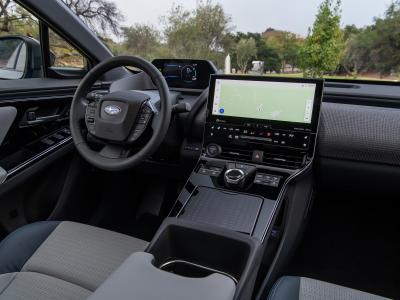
78 110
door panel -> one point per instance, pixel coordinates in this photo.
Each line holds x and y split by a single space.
36 153
40 127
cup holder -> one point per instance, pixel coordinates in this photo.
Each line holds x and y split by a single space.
196 251
189 269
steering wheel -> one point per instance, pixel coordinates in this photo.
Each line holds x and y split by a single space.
120 118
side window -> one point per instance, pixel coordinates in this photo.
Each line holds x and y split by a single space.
63 55
20 52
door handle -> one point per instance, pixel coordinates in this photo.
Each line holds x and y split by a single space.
37 116
45 119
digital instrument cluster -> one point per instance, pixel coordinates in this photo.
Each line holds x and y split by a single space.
185 73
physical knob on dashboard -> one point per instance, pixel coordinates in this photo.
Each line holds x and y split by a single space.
213 150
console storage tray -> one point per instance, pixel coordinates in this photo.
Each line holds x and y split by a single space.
231 210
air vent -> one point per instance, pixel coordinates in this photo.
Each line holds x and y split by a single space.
283 160
276 159
236 154
341 85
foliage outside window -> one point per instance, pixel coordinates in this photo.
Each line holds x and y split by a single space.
63 55
331 49
15 20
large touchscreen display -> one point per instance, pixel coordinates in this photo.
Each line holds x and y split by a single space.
266 100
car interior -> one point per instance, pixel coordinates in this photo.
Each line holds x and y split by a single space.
171 180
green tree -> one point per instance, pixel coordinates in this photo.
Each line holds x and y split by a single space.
245 50
266 52
350 31
286 43
385 49
141 40
323 47
16 20
270 56
291 50
202 33
376 48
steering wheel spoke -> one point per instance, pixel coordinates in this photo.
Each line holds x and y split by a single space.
113 151
155 121
80 108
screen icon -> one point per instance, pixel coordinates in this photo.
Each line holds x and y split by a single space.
221 111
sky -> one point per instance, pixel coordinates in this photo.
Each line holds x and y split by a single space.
257 15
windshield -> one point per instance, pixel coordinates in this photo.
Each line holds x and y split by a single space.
335 39
346 39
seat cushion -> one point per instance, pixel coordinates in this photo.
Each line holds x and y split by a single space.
60 260
301 288
35 286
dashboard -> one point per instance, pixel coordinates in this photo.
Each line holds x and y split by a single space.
186 73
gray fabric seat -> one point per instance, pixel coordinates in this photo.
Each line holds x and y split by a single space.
301 288
61 261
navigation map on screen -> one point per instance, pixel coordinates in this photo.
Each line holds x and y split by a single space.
267 100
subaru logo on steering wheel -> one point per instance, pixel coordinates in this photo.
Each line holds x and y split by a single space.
112 110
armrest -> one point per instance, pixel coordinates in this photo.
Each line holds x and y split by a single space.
138 279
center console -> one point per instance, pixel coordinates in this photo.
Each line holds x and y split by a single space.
260 133
259 139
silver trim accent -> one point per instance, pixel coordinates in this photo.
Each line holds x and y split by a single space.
152 107
279 199
3 175
180 261
234 181
39 156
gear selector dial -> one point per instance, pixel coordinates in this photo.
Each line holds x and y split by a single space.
234 176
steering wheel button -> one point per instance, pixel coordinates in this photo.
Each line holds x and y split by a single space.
146 110
140 127
136 134
144 118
